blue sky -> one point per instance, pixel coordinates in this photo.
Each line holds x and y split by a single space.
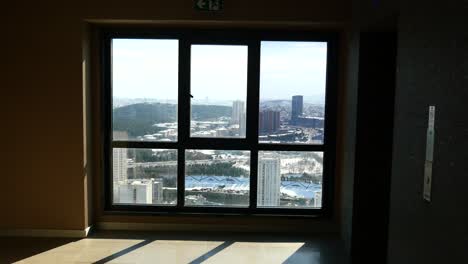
149 69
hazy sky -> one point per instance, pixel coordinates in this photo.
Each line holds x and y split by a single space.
149 69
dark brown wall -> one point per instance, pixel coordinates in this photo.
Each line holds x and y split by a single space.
432 70
44 154
42 98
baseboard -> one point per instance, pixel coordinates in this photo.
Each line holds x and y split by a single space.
207 228
45 233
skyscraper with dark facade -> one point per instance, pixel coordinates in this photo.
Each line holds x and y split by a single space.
296 107
269 121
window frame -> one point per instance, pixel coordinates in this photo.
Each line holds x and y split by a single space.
253 39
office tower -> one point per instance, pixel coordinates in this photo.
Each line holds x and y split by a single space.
315 122
269 121
296 107
157 192
119 159
136 192
318 199
242 126
269 182
222 132
237 112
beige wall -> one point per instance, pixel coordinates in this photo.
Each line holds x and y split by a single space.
43 155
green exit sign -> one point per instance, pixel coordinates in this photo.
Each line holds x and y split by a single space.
209 5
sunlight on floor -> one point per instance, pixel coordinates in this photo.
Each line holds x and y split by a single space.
83 251
124 251
255 252
168 251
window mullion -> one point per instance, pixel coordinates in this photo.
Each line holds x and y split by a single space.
107 113
183 116
253 102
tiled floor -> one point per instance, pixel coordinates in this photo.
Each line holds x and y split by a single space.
139 247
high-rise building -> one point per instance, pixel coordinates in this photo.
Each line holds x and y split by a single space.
238 116
135 192
306 121
242 126
138 192
269 182
157 192
238 110
222 132
269 121
119 159
297 107
318 199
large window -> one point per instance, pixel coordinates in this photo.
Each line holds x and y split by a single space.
219 122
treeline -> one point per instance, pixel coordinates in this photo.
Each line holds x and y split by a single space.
305 177
147 155
210 112
138 119
196 155
166 174
222 198
216 169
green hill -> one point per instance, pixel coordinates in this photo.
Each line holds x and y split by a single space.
138 119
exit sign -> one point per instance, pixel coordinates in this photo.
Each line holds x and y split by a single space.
209 5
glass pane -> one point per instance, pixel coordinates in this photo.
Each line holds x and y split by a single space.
217 178
290 179
144 89
292 92
144 176
219 91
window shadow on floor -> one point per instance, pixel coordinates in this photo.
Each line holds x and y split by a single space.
124 251
14 249
193 248
211 253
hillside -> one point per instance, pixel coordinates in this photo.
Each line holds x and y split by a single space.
138 119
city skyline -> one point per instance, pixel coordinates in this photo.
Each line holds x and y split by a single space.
207 100
281 181
291 122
